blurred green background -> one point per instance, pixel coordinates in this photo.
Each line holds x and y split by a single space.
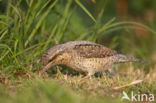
29 27
119 24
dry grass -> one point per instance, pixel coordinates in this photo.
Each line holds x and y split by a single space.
127 78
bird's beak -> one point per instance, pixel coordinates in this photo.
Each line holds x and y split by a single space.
45 68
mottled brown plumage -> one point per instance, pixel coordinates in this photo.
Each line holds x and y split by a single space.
83 56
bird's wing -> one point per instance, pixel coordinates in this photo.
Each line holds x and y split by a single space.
93 51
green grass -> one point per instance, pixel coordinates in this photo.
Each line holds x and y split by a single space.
50 91
29 27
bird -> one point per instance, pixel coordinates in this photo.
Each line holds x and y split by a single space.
83 56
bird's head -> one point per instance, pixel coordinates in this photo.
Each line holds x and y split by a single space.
54 56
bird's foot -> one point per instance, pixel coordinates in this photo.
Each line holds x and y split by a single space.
109 73
88 76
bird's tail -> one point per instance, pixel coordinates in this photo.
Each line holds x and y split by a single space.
120 58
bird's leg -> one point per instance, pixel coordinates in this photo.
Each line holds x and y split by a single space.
110 72
89 75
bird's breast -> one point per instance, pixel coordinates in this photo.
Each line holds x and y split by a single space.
86 64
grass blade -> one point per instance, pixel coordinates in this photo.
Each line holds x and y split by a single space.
39 23
51 35
126 23
85 10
